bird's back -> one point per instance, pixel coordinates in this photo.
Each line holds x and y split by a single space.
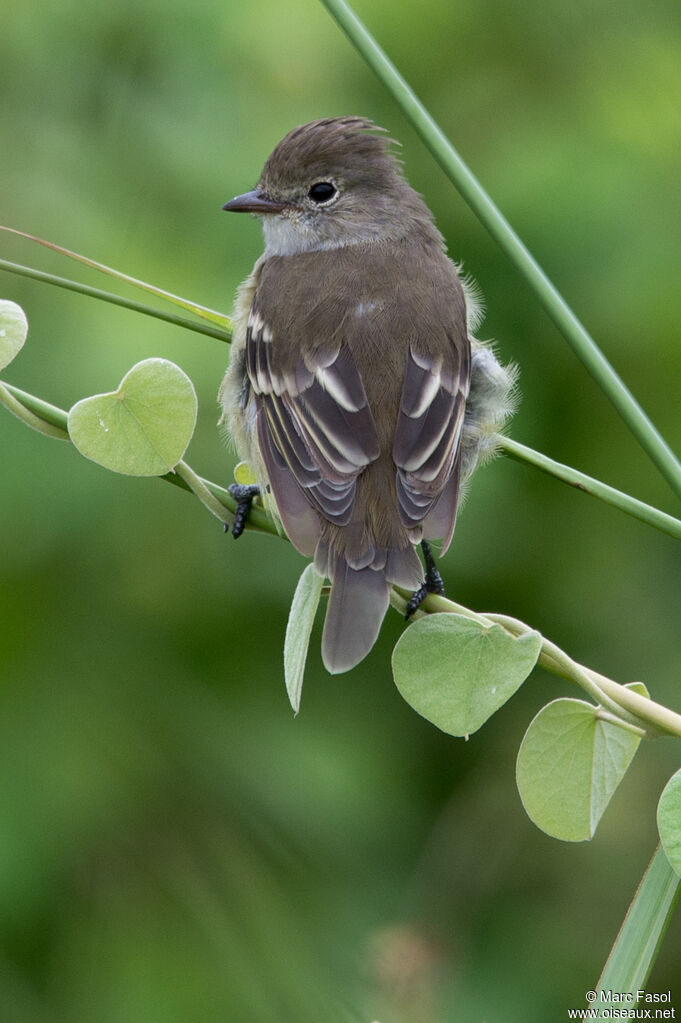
405 345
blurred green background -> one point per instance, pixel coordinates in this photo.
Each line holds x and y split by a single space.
174 846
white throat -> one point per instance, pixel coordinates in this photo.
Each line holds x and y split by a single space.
285 236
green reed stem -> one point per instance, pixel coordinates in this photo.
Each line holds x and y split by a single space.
630 505
641 934
108 296
485 209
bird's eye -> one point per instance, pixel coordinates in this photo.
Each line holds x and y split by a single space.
322 191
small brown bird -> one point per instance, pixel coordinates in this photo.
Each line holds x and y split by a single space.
355 390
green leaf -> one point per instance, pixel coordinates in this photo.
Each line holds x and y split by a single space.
144 427
243 473
569 765
300 621
457 672
13 331
669 821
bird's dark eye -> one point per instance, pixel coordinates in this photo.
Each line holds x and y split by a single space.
322 191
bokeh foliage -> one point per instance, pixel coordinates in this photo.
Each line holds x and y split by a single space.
173 845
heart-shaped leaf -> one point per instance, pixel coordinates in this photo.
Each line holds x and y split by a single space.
300 621
144 427
13 331
456 672
569 765
244 474
669 821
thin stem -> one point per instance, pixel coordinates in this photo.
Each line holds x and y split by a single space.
555 660
200 490
617 719
17 408
630 505
657 717
398 601
624 703
627 703
482 205
518 452
193 307
258 519
108 296
49 413
569 669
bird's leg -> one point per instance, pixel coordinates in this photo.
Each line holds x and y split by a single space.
431 584
243 495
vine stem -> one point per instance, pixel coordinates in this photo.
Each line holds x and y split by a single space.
512 449
616 719
41 423
493 220
258 520
205 495
638 711
109 296
193 307
646 513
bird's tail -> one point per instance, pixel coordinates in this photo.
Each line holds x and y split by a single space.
358 602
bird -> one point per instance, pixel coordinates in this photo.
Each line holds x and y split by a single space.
356 391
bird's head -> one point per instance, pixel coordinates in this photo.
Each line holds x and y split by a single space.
332 183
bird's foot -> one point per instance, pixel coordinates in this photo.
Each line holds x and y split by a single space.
431 584
243 495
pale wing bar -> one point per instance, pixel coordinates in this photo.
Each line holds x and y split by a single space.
428 434
317 417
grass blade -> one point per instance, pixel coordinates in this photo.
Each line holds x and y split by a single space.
636 947
108 296
198 310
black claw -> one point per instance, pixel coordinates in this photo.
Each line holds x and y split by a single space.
243 495
415 601
431 584
433 580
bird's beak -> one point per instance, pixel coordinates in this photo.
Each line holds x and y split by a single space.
254 202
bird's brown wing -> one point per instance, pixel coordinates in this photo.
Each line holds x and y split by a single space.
428 435
315 429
